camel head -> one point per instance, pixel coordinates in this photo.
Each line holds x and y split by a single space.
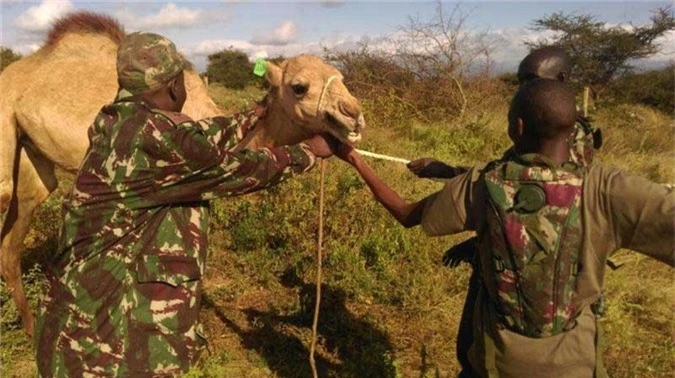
313 96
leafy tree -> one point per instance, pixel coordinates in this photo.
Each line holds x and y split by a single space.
600 52
231 68
7 57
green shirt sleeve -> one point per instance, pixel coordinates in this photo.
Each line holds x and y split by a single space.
453 208
641 214
194 161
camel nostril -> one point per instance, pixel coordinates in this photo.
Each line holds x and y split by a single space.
360 122
350 111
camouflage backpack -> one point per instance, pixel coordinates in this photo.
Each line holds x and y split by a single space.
533 237
586 138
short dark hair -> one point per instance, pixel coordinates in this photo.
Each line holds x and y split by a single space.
547 107
545 63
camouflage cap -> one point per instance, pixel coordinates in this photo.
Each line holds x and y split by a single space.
146 61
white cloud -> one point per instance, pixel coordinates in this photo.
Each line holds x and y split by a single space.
206 47
173 15
170 15
27 48
38 18
282 35
511 47
346 42
667 43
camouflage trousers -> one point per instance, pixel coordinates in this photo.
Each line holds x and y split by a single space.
145 326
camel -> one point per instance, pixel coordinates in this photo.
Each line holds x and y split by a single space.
51 97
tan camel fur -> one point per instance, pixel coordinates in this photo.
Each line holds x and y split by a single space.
50 98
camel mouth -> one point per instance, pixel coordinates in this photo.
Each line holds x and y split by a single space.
341 127
354 137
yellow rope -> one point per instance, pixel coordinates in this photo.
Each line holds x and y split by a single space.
319 259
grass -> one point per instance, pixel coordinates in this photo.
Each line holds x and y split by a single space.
389 308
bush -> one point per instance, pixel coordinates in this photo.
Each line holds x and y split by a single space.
397 90
231 68
654 88
33 282
7 57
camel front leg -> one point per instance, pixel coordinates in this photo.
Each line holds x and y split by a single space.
8 151
35 180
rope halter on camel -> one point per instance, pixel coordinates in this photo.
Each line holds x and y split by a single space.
373 155
322 97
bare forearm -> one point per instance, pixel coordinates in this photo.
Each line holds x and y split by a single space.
432 168
408 215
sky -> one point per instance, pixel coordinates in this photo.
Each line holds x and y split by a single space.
272 28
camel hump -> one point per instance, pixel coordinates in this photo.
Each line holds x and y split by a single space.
175 117
85 22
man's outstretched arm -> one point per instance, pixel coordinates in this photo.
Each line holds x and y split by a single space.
407 214
432 168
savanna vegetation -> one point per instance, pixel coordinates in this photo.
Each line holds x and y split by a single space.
389 307
7 57
231 68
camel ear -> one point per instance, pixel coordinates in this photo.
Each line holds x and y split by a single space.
274 74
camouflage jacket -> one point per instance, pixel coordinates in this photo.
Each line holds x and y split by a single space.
123 291
585 139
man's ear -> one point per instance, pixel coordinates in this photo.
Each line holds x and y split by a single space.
520 127
173 90
562 76
274 74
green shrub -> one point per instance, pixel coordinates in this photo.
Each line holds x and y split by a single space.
654 88
7 57
231 68
33 283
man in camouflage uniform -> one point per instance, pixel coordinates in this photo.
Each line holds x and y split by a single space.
548 63
123 292
544 63
532 315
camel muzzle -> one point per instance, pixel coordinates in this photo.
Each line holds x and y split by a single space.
344 128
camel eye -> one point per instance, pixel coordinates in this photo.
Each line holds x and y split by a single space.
299 89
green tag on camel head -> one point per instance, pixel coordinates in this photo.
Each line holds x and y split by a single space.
260 67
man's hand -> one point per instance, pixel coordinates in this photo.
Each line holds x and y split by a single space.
260 111
408 215
462 252
347 153
321 146
432 168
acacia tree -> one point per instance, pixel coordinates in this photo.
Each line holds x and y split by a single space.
7 57
443 48
601 52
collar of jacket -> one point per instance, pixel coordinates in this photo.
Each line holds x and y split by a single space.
534 159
